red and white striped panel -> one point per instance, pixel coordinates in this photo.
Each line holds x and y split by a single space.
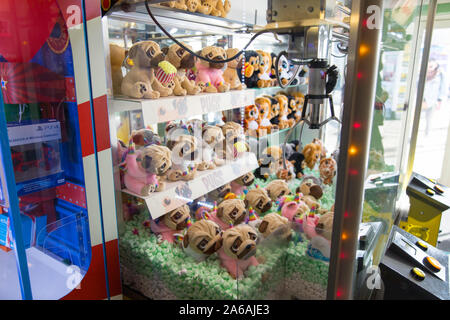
93 285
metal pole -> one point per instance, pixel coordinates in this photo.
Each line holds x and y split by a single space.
364 47
421 85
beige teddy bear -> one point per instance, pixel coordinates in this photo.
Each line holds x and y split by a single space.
140 82
178 4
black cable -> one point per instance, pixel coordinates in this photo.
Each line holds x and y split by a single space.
192 52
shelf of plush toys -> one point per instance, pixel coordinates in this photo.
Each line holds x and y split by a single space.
177 193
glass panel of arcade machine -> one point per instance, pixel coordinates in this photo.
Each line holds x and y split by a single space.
395 91
44 135
288 211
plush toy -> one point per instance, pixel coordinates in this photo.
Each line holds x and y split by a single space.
293 208
319 234
284 70
183 61
277 189
327 168
202 239
238 250
211 136
143 166
284 122
258 199
275 151
251 69
299 100
192 5
312 153
273 75
263 172
290 148
117 56
240 184
323 150
264 105
178 4
211 74
275 111
251 120
312 192
217 8
234 145
233 73
218 195
265 64
185 157
145 137
140 82
229 213
171 223
275 227
297 159
283 173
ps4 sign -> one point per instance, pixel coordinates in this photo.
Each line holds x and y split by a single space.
26 133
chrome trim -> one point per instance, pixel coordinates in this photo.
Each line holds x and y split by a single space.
358 107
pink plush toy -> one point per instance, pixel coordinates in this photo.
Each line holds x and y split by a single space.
172 223
211 74
238 250
141 168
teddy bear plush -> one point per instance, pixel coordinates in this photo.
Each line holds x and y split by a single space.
202 239
229 213
171 223
323 150
259 200
211 136
312 153
185 157
238 250
251 69
211 74
142 168
117 56
277 189
265 64
140 82
233 74
241 184
217 8
184 62
327 168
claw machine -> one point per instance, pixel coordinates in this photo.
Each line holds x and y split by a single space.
54 242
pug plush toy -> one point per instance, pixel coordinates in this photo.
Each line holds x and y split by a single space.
277 189
141 82
275 227
259 200
142 168
202 239
185 157
229 213
242 183
211 136
172 223
209 73
218 195
234 145
238 250
312 192
183 61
